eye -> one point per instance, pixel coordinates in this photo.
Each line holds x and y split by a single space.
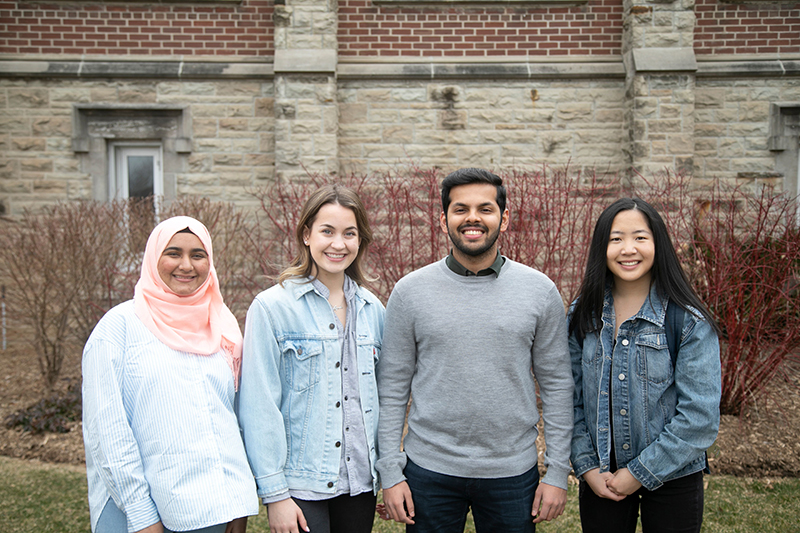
351 234
326 231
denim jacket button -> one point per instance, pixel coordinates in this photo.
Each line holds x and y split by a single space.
625 342
331 326
299 351
625 446
337 364
622 377
338 404
330 484
623 412
338 444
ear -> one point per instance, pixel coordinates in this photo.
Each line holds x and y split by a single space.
306 233
443 222
505 221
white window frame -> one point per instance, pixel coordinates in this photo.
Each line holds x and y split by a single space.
118 170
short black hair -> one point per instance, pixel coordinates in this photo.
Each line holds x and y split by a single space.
466 176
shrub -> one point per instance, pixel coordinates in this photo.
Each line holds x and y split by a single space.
55 413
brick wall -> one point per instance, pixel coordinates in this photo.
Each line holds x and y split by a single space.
370 30
243 29
754 28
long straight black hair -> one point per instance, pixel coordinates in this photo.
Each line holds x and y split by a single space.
667 274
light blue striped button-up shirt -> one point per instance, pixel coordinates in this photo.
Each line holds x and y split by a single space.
160 431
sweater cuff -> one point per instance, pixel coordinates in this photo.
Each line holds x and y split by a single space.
556 477
390 469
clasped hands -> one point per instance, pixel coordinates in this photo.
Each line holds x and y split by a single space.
616 486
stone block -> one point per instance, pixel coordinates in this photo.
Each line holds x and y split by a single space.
28 98
28 144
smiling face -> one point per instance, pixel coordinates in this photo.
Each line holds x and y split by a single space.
184 265
631 250
474 222
333 242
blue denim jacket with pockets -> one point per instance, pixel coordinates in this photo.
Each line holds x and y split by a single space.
291 388
664 416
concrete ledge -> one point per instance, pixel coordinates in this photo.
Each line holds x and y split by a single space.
305 61
750 68
663 60
482 71
134 69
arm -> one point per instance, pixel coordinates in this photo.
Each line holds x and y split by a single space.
108 436
394 372
239 525
551 366
583 454
694 426
260 417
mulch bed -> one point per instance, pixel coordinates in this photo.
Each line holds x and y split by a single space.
763 442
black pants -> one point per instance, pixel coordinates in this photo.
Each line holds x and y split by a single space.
675 507
342 514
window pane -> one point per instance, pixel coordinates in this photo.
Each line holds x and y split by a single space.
140 176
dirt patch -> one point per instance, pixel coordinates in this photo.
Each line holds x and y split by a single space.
765 441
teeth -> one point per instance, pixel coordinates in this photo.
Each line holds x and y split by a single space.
629 263
472 232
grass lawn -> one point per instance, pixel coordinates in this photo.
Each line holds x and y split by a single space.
41 498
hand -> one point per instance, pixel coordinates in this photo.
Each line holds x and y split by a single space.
623 483
382 512
155 528
286 517
597 482
239 525
399 504
548 503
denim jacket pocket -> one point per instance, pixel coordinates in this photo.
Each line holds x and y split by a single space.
654 360
301 362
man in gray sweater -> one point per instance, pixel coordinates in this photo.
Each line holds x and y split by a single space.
465 337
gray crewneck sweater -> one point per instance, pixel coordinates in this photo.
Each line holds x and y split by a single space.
464 347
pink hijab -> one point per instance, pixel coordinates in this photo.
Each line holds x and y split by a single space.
199 323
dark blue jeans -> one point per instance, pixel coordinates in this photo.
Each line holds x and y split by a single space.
441 502
675 507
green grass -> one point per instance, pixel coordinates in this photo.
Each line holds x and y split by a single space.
45 498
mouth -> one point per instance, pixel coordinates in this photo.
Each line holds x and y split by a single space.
335 257
184 279
629 264
472 232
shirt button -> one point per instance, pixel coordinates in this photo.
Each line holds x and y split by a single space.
623 412
625 342
622 377
338 444
345 398
331 326
625 446
348 459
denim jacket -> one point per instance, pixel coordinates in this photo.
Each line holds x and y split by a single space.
664 417
291 388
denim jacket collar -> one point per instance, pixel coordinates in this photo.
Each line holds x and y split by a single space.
654 309
299 287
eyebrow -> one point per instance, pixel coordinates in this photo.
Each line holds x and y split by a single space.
617 232
178 249
325 224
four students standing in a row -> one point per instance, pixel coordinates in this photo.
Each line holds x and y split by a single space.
466 339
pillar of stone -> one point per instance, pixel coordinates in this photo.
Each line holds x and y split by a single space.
306 112
660 85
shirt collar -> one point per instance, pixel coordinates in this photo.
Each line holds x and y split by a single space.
461 270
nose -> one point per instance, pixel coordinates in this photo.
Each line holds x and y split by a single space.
186 263
629 247
338 242
473 215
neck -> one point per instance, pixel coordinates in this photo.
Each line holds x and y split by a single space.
476 263
638 289
334 282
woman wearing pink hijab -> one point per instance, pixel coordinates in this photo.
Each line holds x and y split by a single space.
160 374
